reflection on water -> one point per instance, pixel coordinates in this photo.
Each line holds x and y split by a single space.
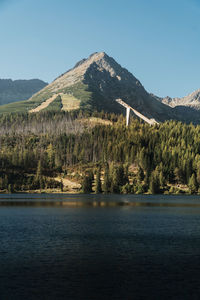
143 249
98 200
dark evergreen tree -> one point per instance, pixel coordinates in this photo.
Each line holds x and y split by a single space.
140 174
98 188
154 185
61 185
87 185
118 179
10 188
192 184
106 184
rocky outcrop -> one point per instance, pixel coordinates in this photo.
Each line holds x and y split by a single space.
192 100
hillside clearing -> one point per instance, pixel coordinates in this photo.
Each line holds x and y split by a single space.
69 102
95 121
43 105
69 186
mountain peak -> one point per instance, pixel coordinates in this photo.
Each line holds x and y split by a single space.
96 82
98 60
191 100
96 56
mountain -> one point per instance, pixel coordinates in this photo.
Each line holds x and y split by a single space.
12 91
94 84
192 100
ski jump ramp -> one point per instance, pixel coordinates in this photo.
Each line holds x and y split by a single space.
137 113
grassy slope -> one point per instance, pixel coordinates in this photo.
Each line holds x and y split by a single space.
78 91
69 102
24 106
56 105
21 106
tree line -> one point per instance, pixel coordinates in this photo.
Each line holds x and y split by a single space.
139 159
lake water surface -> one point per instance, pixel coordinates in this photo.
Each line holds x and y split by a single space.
99 247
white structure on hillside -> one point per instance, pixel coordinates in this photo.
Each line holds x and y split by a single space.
137 113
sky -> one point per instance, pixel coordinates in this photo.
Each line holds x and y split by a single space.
156 40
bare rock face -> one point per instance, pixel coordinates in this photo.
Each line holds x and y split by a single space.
192 100
101 77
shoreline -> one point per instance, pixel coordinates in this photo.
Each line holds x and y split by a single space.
73 192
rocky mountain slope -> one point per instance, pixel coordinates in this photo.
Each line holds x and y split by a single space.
192 100
97 82
12 91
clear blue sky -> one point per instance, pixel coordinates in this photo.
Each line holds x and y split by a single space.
158 41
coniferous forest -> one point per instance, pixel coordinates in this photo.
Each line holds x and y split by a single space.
45 151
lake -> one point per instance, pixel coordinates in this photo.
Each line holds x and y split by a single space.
99 247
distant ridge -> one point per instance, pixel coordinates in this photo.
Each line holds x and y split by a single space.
16 90
192 100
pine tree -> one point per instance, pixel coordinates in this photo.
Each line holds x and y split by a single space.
177 175
154 185
140 174
106 184
87 185
38 176
188 170
10 188
39 171
98 188
118 179
147 178
161 179
198 173
61 185
192 184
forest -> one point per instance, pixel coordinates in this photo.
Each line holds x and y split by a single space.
39 151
